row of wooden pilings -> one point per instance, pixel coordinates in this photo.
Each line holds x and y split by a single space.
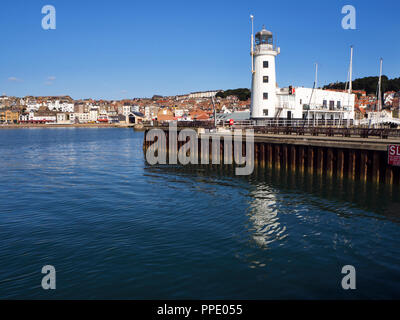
366 165
332 161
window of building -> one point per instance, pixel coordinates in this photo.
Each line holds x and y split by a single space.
265 112
325 103
265 95
265 79
338 105
265 64
331 105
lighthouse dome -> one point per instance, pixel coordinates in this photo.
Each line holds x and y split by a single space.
264 36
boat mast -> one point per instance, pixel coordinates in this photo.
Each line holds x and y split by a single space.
350 83
351 70
380 88
316 75
315 85
215 112
311 96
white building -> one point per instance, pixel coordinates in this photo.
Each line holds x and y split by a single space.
202 94
126 110
65 118
320 104
32 106
41 118
53 105
67 107
93 114
263 86
270 102
83 117
178 112
150 112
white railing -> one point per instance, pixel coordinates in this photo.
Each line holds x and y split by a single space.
290 123
326 108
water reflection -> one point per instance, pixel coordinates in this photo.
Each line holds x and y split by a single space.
338 195
264 216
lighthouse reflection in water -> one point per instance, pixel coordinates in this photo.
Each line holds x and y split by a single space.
264 217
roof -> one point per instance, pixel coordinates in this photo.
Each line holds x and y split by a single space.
236 116
264 33
138 114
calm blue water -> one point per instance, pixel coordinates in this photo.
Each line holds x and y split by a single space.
84 201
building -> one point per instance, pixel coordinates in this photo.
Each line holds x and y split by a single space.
202 94
9 116
93 115
165 115
135 117
39 117
199 115
270 102
318 104
82 117
178 112
112 116
65 118
263 86
151 112
126 110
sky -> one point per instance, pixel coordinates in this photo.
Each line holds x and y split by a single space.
124 49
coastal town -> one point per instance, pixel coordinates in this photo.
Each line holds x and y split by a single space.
64 110
196 106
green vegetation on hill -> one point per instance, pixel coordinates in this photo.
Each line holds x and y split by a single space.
369 84
243 94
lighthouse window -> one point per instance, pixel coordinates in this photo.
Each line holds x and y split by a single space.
265 79
265 95
265 64
265 112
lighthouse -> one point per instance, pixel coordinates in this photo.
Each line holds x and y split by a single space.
263 87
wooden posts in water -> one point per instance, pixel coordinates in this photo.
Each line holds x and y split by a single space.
340 158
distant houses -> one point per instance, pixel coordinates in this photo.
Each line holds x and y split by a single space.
197 106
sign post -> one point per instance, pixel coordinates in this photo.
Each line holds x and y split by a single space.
394 155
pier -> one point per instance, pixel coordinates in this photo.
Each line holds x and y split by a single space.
338 154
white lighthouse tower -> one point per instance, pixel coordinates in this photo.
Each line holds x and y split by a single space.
263 87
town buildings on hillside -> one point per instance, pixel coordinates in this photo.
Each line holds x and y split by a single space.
191 107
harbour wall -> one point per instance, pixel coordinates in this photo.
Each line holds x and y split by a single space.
364 159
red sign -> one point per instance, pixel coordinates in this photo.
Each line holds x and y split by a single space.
231 122
394 155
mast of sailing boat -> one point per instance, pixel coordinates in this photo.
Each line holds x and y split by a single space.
349 90
312 92
380 90
350 80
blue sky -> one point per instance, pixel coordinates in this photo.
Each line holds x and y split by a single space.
123 49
